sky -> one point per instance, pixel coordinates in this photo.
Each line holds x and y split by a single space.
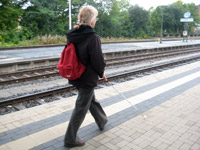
146 4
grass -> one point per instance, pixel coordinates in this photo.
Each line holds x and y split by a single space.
57 40
38 41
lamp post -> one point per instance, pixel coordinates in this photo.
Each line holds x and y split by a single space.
161 28
70 19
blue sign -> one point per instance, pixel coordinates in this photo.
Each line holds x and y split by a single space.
187 15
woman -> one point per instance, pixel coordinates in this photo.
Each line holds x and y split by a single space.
88 48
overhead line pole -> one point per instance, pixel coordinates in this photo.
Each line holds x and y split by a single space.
70 17
161 30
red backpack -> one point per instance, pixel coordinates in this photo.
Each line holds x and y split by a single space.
69 65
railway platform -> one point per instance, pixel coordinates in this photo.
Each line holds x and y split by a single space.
22 54
170 99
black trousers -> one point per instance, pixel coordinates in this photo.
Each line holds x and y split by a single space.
85 101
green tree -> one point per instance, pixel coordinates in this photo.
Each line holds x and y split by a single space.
10 15
43 17
171 18
139 21
112 17
104 25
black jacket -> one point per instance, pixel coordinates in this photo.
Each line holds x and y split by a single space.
88 49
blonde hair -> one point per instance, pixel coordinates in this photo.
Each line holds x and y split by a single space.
86 15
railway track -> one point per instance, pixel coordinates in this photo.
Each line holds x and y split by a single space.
44 72
36 97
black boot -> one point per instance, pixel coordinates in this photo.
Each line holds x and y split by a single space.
75 144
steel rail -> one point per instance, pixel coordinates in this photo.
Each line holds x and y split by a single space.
115 77
33 74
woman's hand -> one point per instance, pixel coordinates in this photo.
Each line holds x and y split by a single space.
104 77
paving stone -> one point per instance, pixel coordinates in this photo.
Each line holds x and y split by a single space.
110 135
149 133
174 137
177 143
144 144
126 148
90 148
194 138
185 146
150 148
94 143
167 135
172 148
103 148
133 146
159 130
50 148
122 143
156 135
138 141
58 144
162 146
116 140
112 146
156 143
4 147
195 146
136 135
198 141
126 138
166 141
23 144
172 118
105 140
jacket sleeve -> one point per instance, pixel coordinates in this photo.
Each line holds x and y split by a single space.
96 55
